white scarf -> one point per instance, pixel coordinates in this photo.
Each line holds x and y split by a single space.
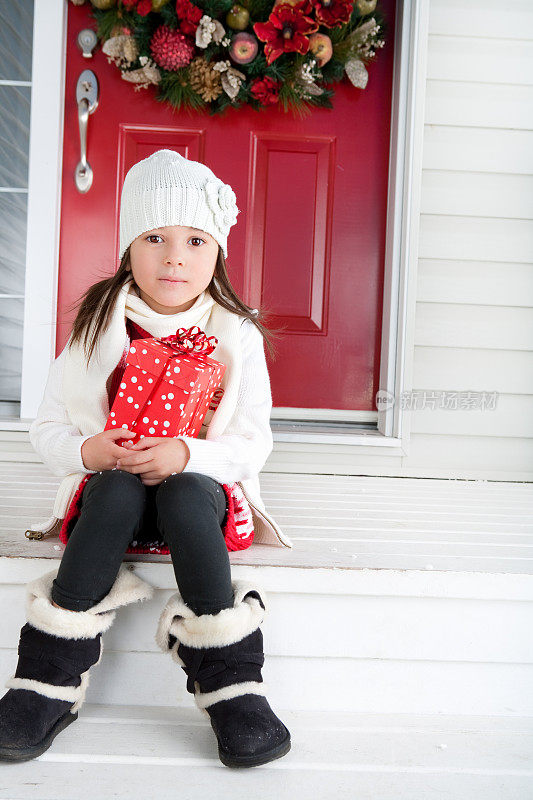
85 385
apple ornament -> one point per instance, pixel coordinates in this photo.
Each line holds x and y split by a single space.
366 6
237 18
321 47
244 47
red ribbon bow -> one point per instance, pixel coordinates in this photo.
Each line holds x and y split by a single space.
185 340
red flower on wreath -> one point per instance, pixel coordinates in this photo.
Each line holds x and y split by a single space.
142 7
189 16
332 13
265 90
286 30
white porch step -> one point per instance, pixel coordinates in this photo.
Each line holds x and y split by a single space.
139 752
335 640
340 522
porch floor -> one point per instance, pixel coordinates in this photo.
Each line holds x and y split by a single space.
142 752
336 521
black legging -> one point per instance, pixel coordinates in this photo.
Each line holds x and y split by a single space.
186 509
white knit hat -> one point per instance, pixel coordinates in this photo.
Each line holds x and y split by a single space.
168 189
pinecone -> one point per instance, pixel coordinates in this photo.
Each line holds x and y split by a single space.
171 49
204 80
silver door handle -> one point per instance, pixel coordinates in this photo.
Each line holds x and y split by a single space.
87 100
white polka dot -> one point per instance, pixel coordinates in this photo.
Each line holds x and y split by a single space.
122 385
130 399
168 406
151 430
121 394
132 349
133 379
150 380
112 413
157 361
170 396
166 424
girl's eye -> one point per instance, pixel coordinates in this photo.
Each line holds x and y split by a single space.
157 236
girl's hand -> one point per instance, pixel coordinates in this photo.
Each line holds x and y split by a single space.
100 451
154 458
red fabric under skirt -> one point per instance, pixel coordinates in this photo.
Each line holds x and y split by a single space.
238 526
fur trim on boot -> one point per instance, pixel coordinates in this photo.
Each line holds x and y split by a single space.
56 650
222 655
127 588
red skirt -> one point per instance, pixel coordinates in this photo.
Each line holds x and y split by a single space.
237 529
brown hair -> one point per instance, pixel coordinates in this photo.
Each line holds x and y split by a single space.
97 303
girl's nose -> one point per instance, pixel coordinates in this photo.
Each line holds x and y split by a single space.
175 256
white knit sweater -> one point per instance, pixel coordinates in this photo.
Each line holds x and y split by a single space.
238 455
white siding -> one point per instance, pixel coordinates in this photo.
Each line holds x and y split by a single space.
474 309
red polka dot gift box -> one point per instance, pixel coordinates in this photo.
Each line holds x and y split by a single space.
167 385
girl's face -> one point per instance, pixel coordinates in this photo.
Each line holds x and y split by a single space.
175 252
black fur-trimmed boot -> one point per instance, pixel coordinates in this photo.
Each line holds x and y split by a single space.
222 655
56 649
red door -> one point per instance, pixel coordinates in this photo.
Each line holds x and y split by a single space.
309 242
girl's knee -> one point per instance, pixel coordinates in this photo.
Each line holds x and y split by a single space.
182 485
185 492
118 488
117 477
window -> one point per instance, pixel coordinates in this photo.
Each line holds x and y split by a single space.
16 37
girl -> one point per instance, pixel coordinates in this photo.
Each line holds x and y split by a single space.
195 498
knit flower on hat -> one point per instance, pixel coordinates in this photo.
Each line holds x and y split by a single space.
223 203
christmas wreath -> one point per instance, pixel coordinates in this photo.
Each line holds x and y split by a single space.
218 53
